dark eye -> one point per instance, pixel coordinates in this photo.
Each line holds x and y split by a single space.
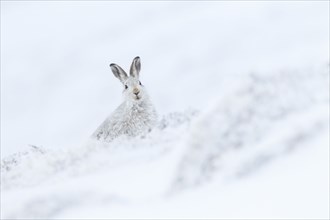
140 83
126 87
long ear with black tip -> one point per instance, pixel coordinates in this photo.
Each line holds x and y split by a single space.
135 67
118 72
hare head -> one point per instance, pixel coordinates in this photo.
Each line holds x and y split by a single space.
133 88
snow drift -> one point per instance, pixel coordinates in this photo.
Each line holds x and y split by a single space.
269 116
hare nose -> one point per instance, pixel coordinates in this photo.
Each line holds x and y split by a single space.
136 91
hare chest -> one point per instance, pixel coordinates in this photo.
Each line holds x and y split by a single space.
130 120
136 120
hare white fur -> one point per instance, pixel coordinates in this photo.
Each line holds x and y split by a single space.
136 114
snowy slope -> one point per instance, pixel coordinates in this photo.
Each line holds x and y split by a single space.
270 116
242 90
284 121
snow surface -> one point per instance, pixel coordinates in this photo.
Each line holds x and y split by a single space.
242 89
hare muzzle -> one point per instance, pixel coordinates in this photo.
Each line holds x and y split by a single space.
136 91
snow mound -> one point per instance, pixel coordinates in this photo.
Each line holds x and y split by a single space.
272 115
39 164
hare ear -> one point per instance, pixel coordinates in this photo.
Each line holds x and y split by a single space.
118 72
135 67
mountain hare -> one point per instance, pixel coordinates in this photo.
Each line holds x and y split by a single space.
136 114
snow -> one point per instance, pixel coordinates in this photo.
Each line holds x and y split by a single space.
241 88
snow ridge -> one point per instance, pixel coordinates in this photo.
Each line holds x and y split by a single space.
270 117
272 114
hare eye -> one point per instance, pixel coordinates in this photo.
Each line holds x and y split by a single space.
140 83
126 87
